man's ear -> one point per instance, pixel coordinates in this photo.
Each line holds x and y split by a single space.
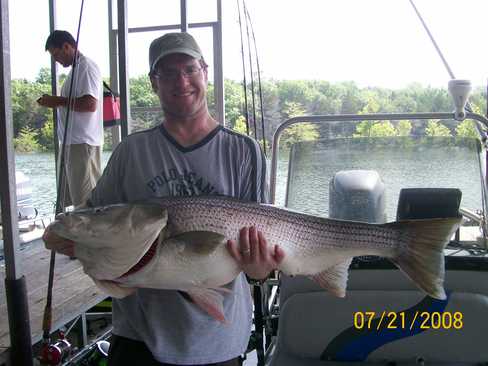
66 47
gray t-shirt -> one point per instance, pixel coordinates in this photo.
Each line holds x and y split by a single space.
152 164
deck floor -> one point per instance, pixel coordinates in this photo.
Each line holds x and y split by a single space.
73 292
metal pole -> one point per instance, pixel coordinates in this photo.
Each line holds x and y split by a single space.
183 16
114 76
439 52
122 35
486 155
170 27
54 81
218 66
15 286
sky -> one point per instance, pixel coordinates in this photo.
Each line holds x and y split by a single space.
371 42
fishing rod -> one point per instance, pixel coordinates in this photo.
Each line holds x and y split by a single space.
259 81
244 84
60 198
258 292
253 99
439 52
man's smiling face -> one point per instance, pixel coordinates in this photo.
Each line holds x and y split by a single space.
180 81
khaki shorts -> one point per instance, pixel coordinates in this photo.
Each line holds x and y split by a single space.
83 169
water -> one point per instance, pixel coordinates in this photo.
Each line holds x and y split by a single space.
40 168
442 163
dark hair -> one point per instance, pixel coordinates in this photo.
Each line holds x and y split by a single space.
59 37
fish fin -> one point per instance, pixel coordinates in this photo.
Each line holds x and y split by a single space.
334 279
221 289
422 259
113 288
210 301
225 290
199 242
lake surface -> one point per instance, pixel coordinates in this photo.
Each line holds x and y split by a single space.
440 164
40 168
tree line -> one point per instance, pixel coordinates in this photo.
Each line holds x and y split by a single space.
281 100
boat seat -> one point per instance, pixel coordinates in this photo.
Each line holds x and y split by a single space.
317 328
428 203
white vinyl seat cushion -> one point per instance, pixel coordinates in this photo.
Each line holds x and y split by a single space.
310 321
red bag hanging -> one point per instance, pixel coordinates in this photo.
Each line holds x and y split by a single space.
111 107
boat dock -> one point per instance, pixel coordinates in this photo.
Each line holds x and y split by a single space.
73 292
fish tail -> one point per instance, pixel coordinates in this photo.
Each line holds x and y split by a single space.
422 258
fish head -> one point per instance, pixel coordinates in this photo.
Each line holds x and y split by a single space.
122 220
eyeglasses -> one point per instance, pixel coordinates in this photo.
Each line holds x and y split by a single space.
187 72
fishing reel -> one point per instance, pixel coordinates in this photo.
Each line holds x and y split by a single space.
55 353
99 356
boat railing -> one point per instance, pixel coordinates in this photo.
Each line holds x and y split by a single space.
327 119
471 215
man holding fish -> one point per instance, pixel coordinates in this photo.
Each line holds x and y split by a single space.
175 223
189 154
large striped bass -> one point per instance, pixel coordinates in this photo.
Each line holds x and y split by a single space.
179 243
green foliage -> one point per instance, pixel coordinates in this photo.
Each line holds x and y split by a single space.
26 112
435 128
371 103
240 125
44 76
281 101
26 141
403 128
141 93
383 129
363 129
299 132
292 109
233 102
467 128
46 134
478 101
375 129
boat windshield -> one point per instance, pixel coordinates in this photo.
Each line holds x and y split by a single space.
404 154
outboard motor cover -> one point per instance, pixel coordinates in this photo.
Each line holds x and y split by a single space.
25 205
357 195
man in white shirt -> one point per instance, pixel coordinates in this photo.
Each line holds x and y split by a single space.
84 124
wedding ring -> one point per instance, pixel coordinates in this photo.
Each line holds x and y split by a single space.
246 251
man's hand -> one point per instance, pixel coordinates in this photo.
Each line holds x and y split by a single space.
86 103
253 255
50 101
58 243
